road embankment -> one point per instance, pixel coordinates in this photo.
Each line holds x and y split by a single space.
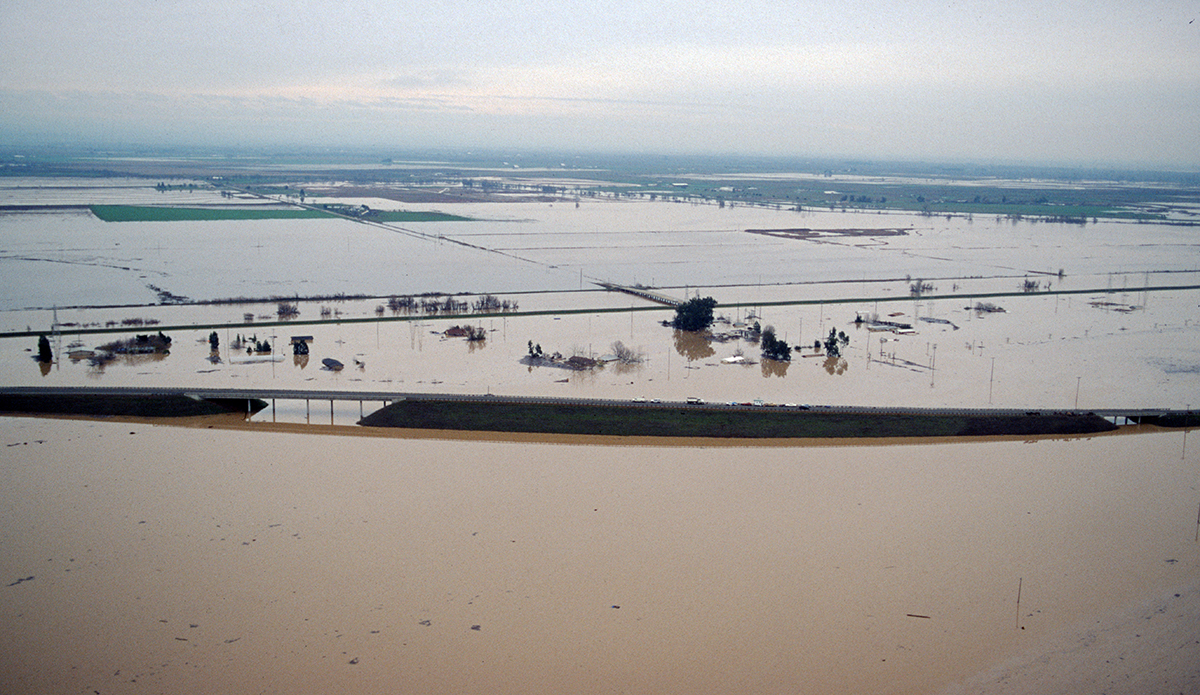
123 405
696 421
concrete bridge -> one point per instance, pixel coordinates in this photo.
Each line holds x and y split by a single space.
643 292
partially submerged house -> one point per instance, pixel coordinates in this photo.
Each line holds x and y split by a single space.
581 362
300 344
469 332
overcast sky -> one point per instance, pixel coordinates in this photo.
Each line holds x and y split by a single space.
1103 81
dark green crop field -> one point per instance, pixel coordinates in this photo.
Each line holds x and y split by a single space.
145 213
139 213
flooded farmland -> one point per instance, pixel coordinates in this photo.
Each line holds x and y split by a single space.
292 556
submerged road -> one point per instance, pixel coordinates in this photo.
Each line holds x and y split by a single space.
386 397
660 303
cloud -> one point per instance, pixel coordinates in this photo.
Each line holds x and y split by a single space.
922 78
429 79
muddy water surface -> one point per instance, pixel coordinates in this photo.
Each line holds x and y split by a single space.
171 559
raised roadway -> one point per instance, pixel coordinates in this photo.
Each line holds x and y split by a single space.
391 396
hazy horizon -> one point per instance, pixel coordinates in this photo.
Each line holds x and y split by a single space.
1072 84
30 158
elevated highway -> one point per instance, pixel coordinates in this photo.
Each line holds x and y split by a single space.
1134 415
643 292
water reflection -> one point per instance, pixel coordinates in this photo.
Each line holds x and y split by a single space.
693 345
836 365
580 377
98 363
624 368
772 368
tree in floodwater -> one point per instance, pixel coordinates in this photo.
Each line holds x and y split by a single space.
214 341
624 354
695 314
45 354
773 347
835 342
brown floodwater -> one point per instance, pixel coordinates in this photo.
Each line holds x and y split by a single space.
280 556
152 558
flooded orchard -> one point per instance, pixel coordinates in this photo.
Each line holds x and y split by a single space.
220 552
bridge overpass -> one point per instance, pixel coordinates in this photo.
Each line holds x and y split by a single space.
643 292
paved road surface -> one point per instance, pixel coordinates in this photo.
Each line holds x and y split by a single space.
390 396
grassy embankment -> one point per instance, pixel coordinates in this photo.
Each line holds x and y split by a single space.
587 419
697 421
120 405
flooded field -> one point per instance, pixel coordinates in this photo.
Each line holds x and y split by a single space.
71 258
292 556
1085 351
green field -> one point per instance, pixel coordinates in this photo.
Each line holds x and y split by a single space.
144 213
139 213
